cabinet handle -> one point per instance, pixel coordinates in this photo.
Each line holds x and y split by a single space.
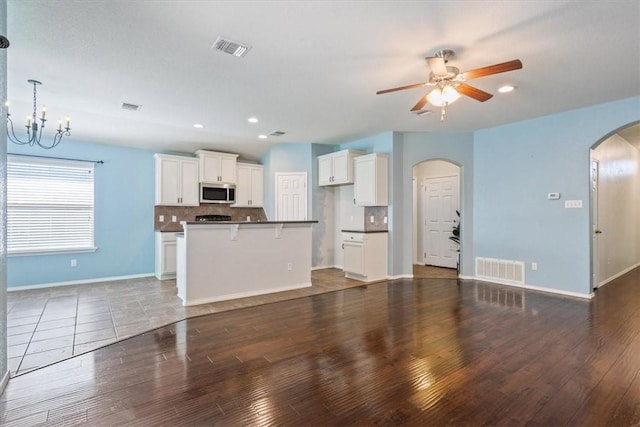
354 200
343 246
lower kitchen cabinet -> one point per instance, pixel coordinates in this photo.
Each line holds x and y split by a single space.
166 251
365 255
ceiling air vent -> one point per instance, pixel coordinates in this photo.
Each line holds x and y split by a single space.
277 133
229 46
131 107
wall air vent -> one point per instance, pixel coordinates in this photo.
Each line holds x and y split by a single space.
277 133
131 107
500 270
233 48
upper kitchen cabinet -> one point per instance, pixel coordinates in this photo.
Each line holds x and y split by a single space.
336 168
371 180
176 180
217 168
249 189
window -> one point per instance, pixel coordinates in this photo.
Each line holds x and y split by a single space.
49 205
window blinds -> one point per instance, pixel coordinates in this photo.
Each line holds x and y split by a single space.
49 205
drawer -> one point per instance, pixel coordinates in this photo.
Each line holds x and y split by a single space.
353 237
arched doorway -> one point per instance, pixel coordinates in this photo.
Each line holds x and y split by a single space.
615 205
436 201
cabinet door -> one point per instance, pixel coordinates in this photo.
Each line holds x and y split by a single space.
169 254
257 187
243 188
365 181
341 167
210 169
167 182
354 258
325 170
228 170
190 188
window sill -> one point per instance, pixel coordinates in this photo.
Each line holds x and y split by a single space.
51 252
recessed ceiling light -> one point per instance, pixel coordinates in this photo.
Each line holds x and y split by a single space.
262 136
198 126
252 120
506 89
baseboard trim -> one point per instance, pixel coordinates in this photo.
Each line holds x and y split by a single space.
4 382
615 276
400 276
322 267
536 288
244 294
78 282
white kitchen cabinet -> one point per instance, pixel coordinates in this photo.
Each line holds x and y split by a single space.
217 168
176 181
365 255
371 180
336 168
249 188
166 251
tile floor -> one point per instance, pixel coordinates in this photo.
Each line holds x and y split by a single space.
51 324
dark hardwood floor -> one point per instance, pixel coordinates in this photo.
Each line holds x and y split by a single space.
412 352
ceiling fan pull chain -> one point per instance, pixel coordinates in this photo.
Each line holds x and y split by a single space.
442 113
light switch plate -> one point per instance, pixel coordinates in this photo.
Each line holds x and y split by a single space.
161 218
573 204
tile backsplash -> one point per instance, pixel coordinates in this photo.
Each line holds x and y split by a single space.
188 213
379 213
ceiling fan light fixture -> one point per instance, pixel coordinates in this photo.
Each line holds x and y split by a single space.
506 89
443 96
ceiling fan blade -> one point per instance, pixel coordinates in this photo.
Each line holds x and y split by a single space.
420 104
473 92
493 69
437 65
395 89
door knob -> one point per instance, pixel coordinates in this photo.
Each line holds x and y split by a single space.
598 232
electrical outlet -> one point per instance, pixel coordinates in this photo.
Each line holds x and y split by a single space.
174 218
385 219
371 219
534 266
290 266
161 218
74 263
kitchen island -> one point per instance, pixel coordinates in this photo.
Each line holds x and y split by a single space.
218 261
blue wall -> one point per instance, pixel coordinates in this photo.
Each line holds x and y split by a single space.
457 148
515 166
124 236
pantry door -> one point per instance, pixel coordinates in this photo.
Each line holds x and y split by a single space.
440 202
291 196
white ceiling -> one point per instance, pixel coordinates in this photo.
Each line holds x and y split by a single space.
313 69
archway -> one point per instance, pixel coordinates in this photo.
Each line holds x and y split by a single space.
615 204
436 198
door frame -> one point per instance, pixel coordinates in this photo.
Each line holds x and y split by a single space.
424 210
595 252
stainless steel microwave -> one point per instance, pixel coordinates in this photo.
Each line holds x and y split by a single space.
217 193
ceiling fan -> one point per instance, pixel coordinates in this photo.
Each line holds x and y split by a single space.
450 83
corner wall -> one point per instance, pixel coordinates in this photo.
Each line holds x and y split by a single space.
4 373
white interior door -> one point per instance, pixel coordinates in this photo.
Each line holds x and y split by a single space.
595 232
440 202
291 196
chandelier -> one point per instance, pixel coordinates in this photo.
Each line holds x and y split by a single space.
34 131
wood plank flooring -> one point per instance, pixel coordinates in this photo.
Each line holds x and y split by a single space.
403 352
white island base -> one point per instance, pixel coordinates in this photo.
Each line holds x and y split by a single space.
222 261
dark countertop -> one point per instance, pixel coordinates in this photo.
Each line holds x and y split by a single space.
250 222
366 231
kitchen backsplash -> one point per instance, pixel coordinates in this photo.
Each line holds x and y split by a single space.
188 213
379 213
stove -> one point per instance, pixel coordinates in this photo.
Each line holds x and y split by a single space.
203 218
